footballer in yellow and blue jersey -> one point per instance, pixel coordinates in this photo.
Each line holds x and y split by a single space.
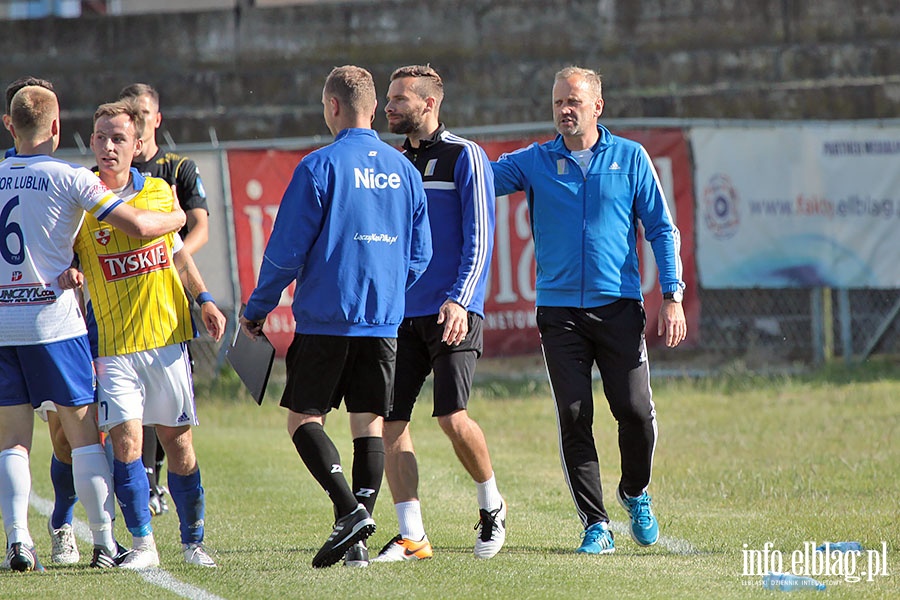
134 299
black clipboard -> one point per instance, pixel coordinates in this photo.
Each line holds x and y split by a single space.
252 361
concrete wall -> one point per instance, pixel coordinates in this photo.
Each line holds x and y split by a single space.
256 72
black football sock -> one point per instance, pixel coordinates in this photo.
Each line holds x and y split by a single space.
160 459
368 470
148 456
324 462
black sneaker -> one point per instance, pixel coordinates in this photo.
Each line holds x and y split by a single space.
22 558
357 555
348 530
102 559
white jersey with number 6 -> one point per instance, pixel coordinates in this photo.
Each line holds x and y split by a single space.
42 204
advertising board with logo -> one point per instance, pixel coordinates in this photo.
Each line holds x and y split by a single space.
259 177
796 206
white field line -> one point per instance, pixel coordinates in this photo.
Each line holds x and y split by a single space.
156 576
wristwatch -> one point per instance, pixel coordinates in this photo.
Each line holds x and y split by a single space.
676 296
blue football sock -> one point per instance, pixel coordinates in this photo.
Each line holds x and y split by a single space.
64 492
133 494
190 503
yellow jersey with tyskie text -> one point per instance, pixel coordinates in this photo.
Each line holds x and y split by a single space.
134 297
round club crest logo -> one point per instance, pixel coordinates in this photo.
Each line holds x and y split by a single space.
721 207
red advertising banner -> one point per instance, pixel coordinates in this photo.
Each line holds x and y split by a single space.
259 178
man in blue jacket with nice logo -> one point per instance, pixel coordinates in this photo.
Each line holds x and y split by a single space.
353 231
586 191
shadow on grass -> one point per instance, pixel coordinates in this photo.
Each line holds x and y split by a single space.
497 382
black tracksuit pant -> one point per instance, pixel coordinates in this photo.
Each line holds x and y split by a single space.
612 337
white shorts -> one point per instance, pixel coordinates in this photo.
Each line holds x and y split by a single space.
154 386
45 407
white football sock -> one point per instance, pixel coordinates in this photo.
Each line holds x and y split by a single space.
488 495
145 542
93 483
15 481
409 516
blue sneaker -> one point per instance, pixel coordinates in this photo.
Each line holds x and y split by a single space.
644 526
597 539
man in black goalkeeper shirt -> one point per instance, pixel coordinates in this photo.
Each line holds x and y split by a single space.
178 170
182 172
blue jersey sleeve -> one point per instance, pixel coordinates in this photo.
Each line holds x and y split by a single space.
659 227
420 241
509 175
475 183
296 226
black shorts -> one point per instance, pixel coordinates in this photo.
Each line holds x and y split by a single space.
419 351
324 369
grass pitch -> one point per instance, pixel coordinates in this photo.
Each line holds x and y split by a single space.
741 462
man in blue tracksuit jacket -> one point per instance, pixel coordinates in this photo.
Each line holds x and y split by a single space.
586 191
353 231
442 331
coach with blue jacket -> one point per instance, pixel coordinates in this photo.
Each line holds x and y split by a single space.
353 231
586 191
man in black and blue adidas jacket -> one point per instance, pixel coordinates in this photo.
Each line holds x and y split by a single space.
586 191
442 328
352 230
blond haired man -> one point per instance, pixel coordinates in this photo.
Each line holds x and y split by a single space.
44 349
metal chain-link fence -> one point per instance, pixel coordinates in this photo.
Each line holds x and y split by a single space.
762 329
205 355
873 321
776 327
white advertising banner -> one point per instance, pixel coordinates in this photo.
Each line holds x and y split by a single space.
802 205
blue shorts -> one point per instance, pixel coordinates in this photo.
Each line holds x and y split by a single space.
61 372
